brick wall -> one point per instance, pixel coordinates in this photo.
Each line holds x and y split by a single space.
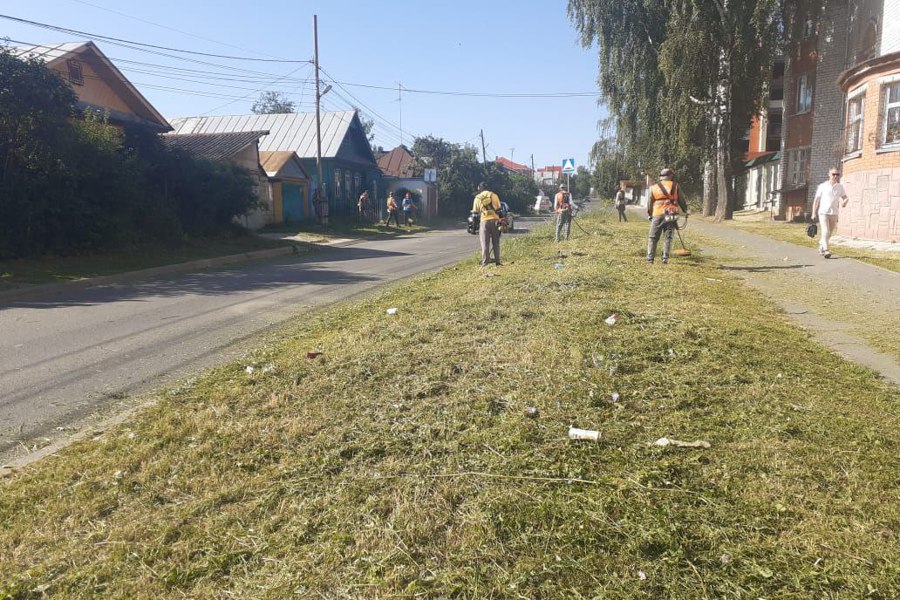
828 99
872 178
890 36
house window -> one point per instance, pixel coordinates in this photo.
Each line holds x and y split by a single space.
796 167
357 185
75 74
338 184
855 108
804 94
348 183
890 132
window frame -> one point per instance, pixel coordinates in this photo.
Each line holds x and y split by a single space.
887 107
75 72
798 159
804 95
854 123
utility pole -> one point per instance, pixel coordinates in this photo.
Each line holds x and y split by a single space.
400 105
483 150
321 185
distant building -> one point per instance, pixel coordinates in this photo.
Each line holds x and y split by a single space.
99 86
511 166
348 165
548 175
396 163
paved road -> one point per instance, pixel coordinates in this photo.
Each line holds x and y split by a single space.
66 357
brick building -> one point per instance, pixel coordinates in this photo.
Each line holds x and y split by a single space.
842 109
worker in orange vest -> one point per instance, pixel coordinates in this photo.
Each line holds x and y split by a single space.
392 211
666 202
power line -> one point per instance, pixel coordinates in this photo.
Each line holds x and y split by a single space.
477 94
161 26
154 46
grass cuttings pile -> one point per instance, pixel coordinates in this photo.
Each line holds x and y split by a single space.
401 463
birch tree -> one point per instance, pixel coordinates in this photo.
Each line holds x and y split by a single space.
683 79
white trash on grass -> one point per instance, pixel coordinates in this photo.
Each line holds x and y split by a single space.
392 311
664 441
584 434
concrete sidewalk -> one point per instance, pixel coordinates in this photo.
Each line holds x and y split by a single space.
847 305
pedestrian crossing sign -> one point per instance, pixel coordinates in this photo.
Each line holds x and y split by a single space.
568 166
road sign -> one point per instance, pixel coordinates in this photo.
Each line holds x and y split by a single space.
568 166
430 175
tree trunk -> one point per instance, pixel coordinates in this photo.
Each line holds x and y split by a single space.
724 168
710 188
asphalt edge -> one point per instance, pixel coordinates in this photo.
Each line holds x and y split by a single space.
129 276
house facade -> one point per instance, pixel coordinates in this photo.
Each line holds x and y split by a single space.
99 86
348 165
842 109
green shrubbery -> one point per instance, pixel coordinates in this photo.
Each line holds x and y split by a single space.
71 185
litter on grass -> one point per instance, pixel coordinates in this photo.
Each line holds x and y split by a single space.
584 434
558 265
392 311
313 354
663 442
532 412
611 319
615 396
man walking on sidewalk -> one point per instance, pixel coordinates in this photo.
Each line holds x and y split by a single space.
825 207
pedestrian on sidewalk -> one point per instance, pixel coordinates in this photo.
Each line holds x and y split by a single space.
363 205
825 207
392 211
620 205
563 206
409 209
665 204
487 203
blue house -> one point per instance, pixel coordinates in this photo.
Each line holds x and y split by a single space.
348 165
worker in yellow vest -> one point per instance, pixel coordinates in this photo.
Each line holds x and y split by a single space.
487 203
663 208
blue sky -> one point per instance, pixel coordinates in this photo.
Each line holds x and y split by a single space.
490 47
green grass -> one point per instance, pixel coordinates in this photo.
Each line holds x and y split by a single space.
795 233
400 463
52 269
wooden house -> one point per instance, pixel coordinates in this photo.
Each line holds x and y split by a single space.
348 165
241 149
99 86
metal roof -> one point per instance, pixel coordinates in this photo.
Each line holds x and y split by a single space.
214 146
90 53
295 132
396 163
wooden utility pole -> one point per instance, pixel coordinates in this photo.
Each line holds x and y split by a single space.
483 149
320 187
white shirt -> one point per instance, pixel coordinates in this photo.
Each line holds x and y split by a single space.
828 194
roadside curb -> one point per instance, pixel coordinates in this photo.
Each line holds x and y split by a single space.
129 276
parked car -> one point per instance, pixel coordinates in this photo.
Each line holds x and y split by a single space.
542 205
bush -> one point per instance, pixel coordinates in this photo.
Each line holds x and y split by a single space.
71 185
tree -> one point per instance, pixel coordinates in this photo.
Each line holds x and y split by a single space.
368 126
682 79
272 103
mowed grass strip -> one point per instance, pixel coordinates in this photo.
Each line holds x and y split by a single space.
400 463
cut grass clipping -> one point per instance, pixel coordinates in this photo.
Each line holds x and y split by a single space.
403 462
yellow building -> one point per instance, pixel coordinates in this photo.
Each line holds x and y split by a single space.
98 84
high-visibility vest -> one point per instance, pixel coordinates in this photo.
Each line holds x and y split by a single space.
391 204
664 201
562 202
